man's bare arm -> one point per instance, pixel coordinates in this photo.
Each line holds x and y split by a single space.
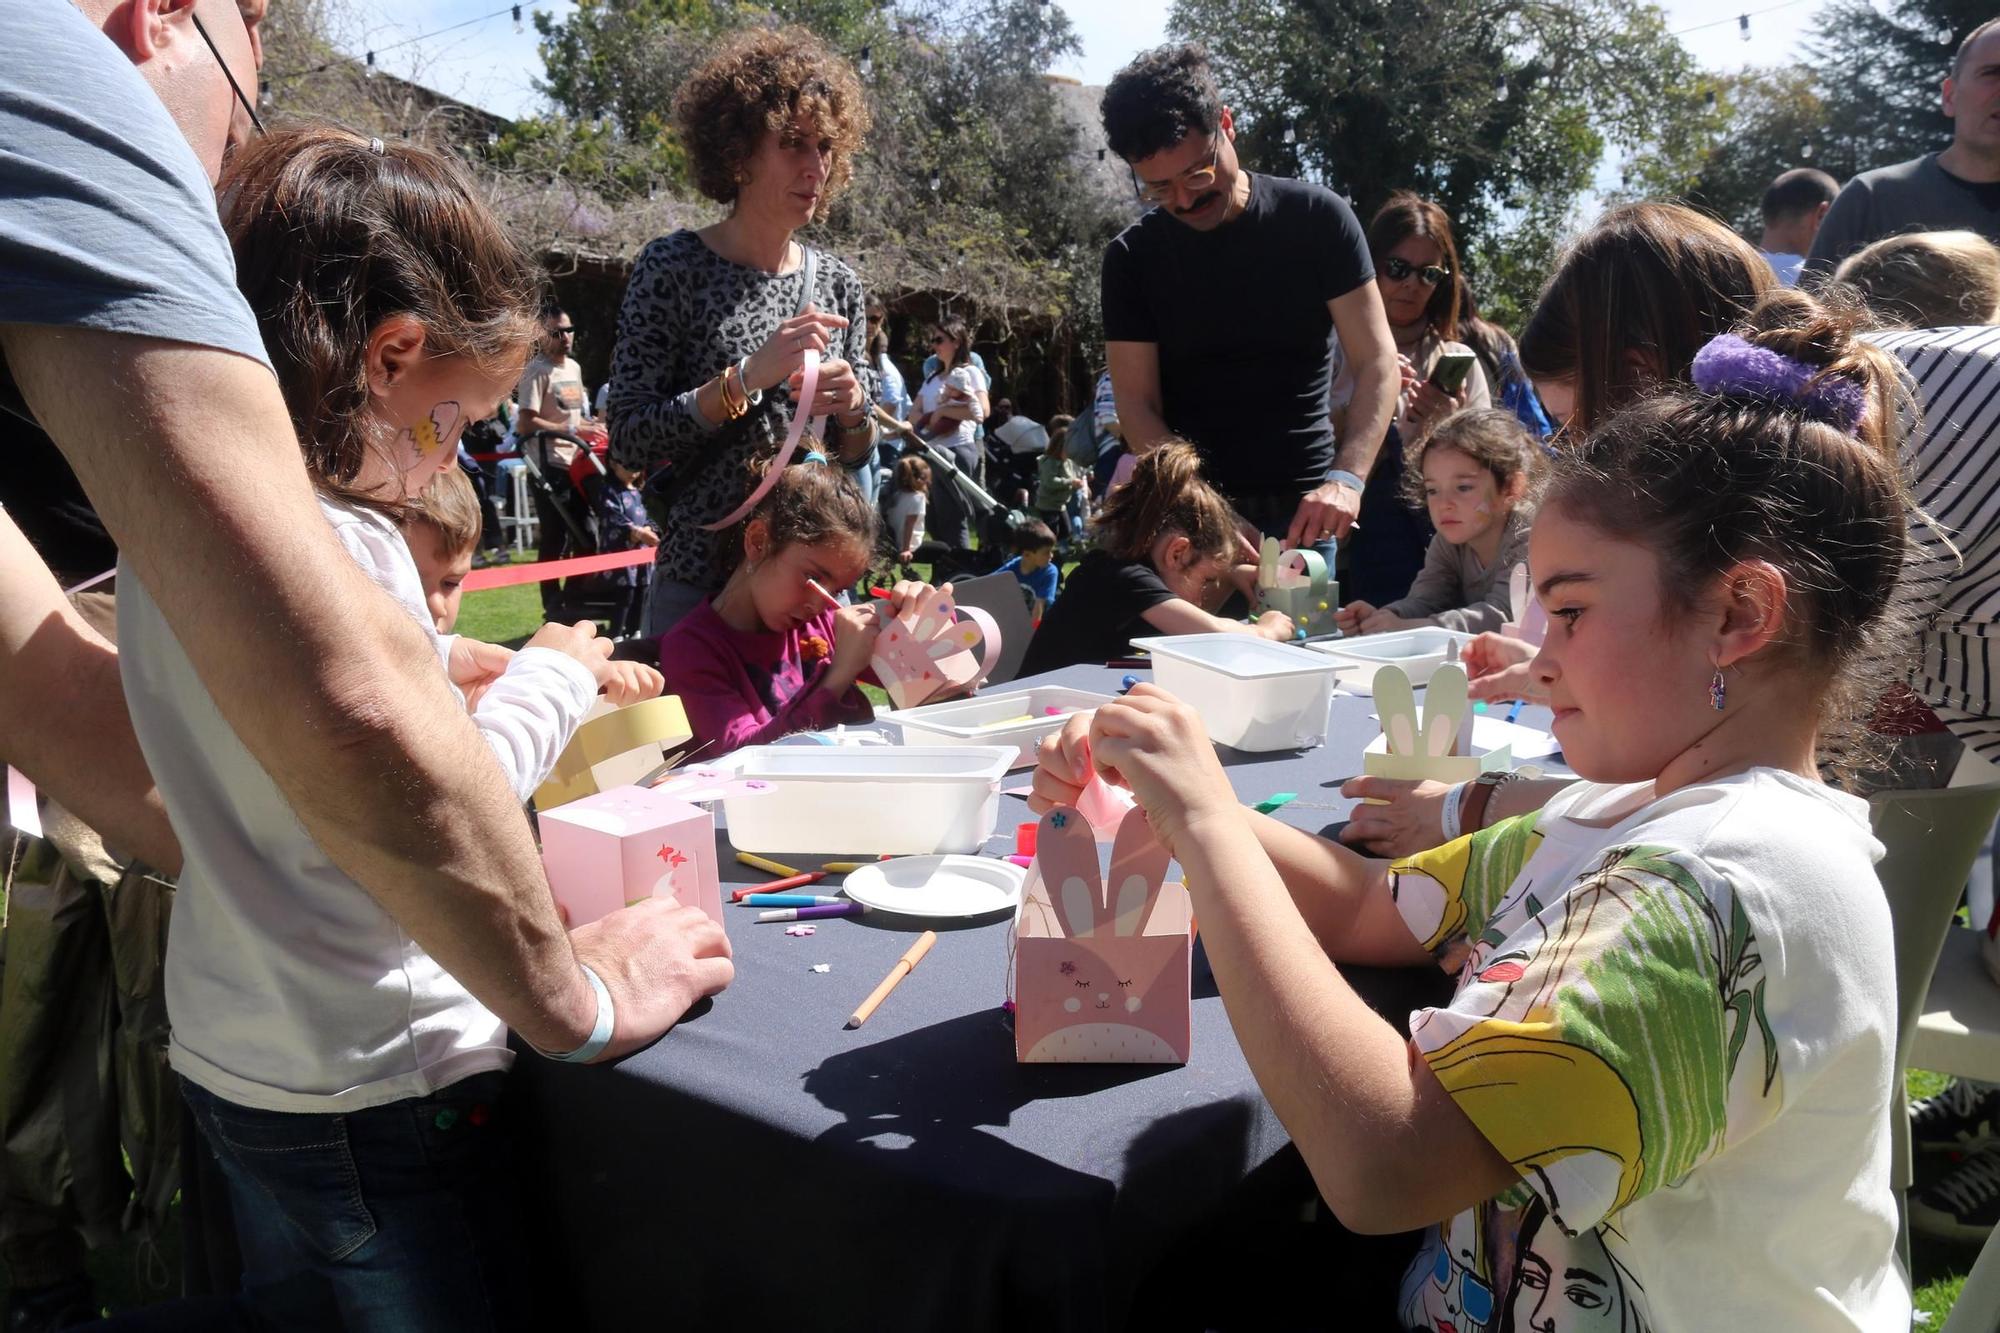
1135 383
190 459
54 666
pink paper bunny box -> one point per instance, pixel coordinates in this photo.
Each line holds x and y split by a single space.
627 844
1101 970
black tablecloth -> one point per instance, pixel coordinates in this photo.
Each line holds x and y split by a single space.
764 1167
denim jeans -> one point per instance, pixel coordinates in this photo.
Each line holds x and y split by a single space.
397 1217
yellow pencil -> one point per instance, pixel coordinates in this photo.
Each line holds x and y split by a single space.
765 863
841 867
904 965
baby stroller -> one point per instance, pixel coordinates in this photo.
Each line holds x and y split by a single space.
572 498
989 516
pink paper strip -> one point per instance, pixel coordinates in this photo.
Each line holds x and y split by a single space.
21 808
808 386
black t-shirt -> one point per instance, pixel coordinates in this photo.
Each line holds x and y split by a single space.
41 494
1101 608
1240 317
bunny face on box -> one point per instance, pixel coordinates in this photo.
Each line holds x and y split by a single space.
1101 970
926 654
1435 745
1296 583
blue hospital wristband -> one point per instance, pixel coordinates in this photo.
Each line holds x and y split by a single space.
1344 478
600 1036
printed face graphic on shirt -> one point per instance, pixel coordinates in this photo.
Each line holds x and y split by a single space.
1579 1288
1456 1293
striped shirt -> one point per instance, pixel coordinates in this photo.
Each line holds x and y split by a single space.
1950 459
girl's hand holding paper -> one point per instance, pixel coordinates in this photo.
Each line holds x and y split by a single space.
1154 744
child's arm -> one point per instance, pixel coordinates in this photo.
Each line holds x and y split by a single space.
1178 616
1387 1145
1437 588
530 712
906 543
724 708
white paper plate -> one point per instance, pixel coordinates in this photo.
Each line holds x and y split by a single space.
937 885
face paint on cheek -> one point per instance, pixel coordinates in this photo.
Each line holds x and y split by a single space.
421 446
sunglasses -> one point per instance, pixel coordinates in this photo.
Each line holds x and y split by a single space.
1396 269
1195 179
567 330
234 86
1475 1298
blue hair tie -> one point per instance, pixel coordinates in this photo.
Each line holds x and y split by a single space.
815 456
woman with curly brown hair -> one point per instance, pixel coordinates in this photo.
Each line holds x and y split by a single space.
717 323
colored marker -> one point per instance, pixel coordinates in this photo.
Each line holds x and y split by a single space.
1275 801
904 966
831 600
765 863
810 913
1514 713
1022 861
841 867
790 899
737 895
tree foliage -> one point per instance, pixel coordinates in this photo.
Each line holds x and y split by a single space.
1879 73
1499 113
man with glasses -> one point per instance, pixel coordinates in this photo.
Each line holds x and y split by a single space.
124 338
550 397
1221 305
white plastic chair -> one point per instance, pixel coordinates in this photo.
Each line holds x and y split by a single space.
520 517
1930 838
1002 597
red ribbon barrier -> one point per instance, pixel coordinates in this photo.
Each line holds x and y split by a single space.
506 576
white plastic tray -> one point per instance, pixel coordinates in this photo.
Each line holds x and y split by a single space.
1252 694
1019 718
898 800
1420 652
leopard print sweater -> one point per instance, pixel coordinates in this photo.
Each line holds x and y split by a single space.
688 312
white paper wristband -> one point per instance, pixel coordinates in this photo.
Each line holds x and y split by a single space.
600 1036
1453 811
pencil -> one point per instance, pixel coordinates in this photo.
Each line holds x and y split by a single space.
841 867
765 863
903 968
799 881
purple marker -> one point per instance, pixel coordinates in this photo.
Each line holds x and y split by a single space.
811 913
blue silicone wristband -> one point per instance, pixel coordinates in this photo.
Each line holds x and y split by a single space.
1345 478
600 1036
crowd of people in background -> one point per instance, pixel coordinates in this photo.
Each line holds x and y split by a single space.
1731 477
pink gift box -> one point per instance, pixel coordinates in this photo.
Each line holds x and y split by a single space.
628 844
1101 969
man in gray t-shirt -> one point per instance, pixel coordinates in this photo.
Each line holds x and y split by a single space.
1958 188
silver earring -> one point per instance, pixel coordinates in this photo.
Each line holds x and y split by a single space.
1718 693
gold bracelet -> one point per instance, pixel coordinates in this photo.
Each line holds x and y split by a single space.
734 403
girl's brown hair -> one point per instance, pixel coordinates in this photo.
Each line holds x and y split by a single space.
1492 437
761 81
1408 214
1707 481
332 237
1167 494
810 503
1928 279
1657 279
913 474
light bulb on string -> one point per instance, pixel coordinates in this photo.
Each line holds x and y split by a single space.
1500 87
866 64
1743 26
368 66
1805 150
264 92
937 180
517 20
1708 100
1291 134
1946 36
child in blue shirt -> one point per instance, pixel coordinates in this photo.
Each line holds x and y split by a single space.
624 525
1034 563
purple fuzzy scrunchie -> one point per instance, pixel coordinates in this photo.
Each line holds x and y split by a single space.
1730 367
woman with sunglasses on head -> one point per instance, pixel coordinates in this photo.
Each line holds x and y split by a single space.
1416 271
950 406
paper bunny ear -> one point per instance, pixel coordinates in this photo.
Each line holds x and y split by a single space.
1267 564
1396 705
1138 871
1066 859
1444 711
958 638
934 612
